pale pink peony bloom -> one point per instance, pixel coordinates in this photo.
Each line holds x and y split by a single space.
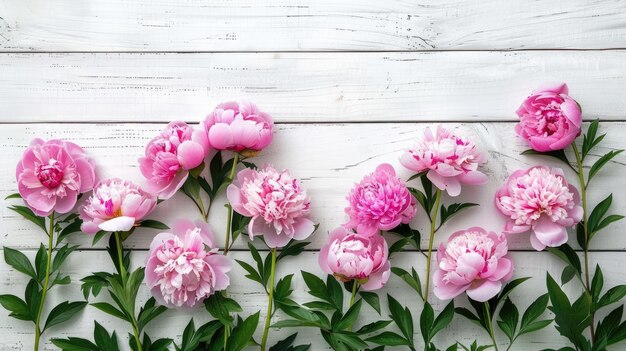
115 205
51 175
474 261
549 118
540 200
449 160
183 268
351 256
239 127
169 157
381 201
275 201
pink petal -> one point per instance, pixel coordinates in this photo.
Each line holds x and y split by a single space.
449 184
190 154
484 290
555 87
378 279
66 204
176 183
443 290
182 226
473 178
118 224
535 243
220 136
550 233
303 228
387 168
233 193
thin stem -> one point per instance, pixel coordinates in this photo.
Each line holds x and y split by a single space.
270 302
355 287
123 275
205 215
490 325
120 256
229 219
45 282
430 242
583 198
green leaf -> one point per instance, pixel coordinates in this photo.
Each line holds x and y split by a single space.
61 256
102 338
221 307
509 317
252 273
13 196
350 317
426 322
443 319
401 316
608 220
568 255
412 279
599 212
453 209
31 216
371 299
32 297
421 198
350 339
94 283
71 228
293 248
534 311
242 333
335 292
558 154
388 339
149 312
151 223
569 272
41 259
372 327
597 284
17 307
19 261
110 309
63 312
613 295
601 162
75 344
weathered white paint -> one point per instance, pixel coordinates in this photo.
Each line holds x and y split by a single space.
303 87
328 158
251 25
17 335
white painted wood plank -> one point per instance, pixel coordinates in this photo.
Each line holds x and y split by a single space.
250 25
328 158
303 87
17 335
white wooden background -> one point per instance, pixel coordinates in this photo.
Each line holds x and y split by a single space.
350 83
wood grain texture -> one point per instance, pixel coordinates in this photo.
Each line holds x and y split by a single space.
303 87
252 25
17 335
328 158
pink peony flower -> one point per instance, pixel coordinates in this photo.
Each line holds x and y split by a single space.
549 118
380 201
352 256
449 160
115 205
182 268
275 201
51 174
474 261
540 200
169 157
239 127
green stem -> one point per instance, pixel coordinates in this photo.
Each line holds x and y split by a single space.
355 287
433 222
45 283
120 256
205 214
270 302
583 200
490 325
229 217
123 275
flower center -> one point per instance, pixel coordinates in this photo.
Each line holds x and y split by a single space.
50 175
